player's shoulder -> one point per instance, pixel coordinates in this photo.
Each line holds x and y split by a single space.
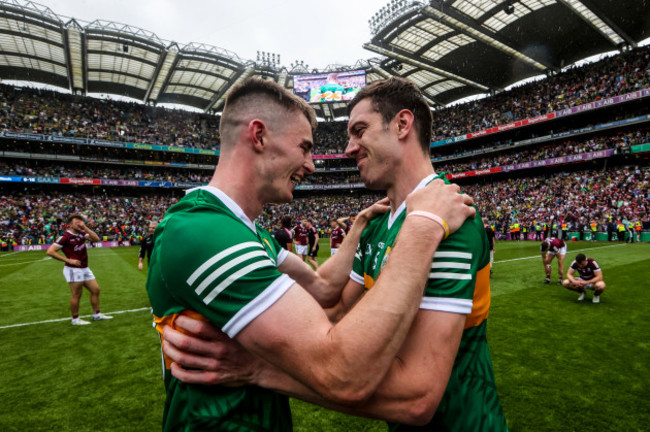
201 221
593 263
374 226
64 237
470 238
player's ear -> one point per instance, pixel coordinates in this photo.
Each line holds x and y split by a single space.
256 134
404 122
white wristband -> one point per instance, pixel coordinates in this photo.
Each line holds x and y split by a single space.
433 217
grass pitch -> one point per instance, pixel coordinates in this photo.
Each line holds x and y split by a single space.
561 365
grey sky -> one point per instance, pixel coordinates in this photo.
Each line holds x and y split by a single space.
320 33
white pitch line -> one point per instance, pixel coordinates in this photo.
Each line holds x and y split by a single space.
68 318
577 250
25 262
10 254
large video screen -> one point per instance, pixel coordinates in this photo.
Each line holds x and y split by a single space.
329 87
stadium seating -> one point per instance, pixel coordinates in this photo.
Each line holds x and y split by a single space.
612 188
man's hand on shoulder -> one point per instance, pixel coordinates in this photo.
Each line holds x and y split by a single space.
377 209
443 200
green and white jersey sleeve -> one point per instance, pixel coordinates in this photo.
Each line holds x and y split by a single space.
211 259
453 274
456 263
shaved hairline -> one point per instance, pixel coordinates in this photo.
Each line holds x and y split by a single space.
251 107
264 100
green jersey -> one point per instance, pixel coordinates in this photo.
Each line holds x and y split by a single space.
459 282
208 257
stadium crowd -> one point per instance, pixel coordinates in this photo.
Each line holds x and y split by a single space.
608 77
46 112
41 218
46 168
53 113
514 155
575 198
578 198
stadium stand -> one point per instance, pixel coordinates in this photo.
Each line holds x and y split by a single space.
54 139
576 86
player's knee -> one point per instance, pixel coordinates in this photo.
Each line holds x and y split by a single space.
600 286
566 283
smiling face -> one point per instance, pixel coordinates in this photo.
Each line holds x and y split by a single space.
289 157
373 145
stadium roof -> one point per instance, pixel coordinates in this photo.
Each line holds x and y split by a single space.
450 48
457 48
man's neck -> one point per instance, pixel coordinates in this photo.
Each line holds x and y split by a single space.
239 191
406 179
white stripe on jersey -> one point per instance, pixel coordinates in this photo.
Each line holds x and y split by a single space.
447 254
258 305
235 276
448 275
356 277
230 264
442 264
456 305
221 255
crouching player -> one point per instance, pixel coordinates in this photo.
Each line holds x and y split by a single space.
591 277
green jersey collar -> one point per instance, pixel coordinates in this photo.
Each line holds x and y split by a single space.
393 216
228 202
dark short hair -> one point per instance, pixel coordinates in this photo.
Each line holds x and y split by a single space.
544 246
269 91
580 257
286 221
394 94
75 216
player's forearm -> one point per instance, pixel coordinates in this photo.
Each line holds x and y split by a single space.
400 397
336 270
364 352
57 256
92 235
597 278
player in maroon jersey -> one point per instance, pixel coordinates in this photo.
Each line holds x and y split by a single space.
346 222
301 237
283 235
312 236
553 247
76 271
336 236
590 277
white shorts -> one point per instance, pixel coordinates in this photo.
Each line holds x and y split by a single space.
335 250
561 251
72 274
301 250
